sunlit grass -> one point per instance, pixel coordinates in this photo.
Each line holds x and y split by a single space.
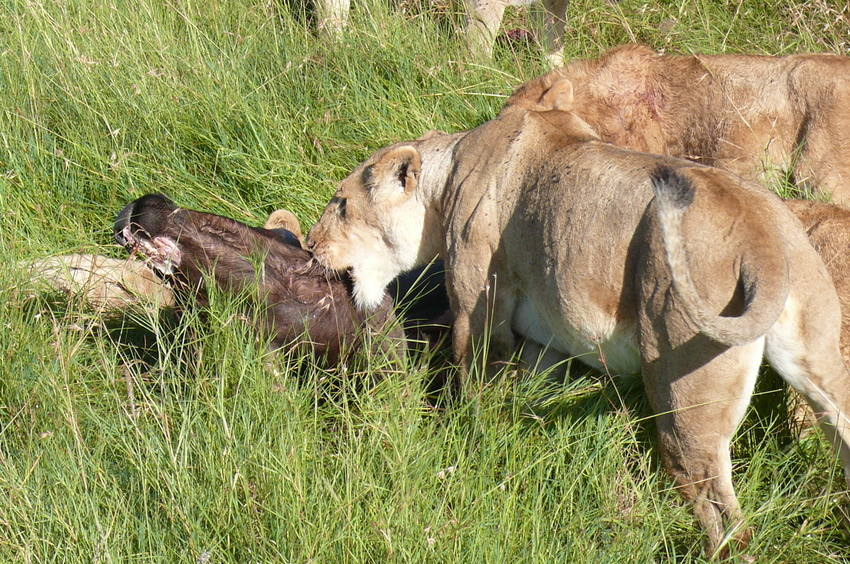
185 439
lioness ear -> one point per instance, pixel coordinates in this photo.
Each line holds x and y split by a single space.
395 175
284 219
559 96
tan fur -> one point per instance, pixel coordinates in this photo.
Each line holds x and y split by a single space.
757 116
556 236
104 284
285 219
828 228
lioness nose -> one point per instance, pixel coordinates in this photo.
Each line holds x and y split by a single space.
311 243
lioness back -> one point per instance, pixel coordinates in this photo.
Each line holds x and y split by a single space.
757 116
560 192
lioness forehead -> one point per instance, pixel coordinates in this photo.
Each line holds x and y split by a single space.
355 183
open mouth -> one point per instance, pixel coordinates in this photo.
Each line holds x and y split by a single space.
322 260
316 259
160 253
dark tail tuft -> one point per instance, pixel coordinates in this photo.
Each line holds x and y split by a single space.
672 187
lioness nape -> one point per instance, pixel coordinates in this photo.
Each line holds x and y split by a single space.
756 116
682 272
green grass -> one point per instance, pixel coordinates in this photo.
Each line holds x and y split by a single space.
195 450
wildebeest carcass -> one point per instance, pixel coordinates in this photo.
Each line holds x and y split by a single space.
291 294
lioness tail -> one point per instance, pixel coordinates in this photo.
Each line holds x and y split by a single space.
764 275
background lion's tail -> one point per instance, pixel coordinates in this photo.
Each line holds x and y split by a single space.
763 275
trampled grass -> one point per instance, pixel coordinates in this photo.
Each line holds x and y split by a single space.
186 445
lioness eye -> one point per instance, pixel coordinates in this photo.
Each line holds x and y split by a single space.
340 205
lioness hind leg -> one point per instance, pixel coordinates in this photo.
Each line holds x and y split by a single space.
818 168
803 347
700 391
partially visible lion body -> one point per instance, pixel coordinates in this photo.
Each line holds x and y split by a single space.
483 19
757 116
828 228
548 232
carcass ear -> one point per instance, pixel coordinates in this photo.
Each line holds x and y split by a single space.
559 96
394 176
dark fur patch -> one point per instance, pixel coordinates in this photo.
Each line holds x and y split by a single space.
286 236
341 205
402 173
368 176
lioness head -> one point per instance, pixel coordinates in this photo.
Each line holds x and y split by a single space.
384 218
375 222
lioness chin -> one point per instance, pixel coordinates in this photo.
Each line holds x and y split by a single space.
682 272
758 116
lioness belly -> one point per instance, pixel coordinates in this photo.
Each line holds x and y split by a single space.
597 339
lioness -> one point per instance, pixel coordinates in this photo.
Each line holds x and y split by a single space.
753 115
484 17
682 272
